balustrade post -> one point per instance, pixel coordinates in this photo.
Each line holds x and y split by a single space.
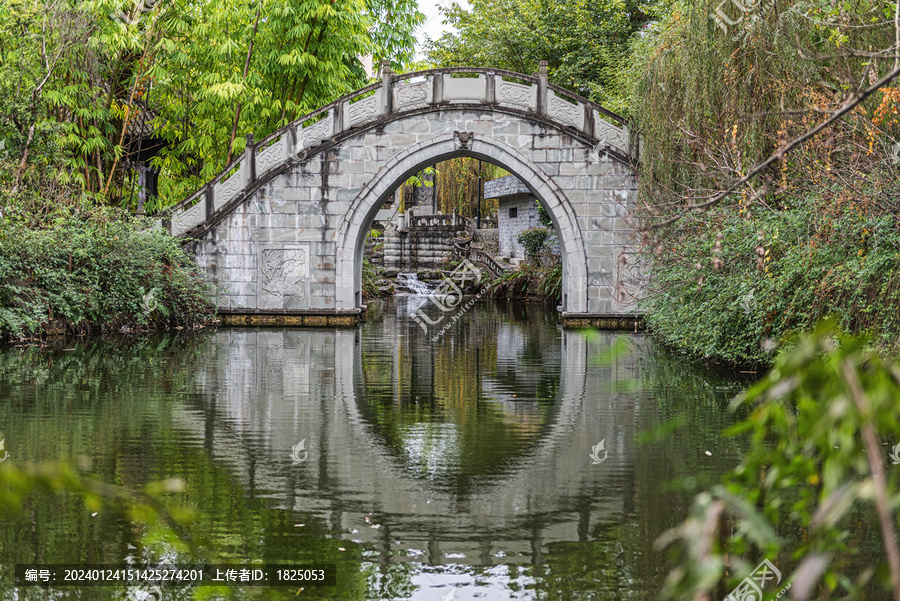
588 120
542 89
209 200
386 80
250 158
437 90
292 139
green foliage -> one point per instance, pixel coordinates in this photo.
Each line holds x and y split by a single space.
458 186
709 107
394 23
511 284
84 268
150 506
816 233
806 495
79 81
729 287
534 282
582 42
534 240
370 275
544 217
550 285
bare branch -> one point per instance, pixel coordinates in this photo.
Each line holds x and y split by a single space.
779 153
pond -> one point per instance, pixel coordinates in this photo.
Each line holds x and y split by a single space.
506 459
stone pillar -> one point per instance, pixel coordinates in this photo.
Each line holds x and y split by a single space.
542 88
250 158
386 79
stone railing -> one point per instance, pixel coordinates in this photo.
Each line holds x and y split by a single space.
480 257
462 249
393 96
422 221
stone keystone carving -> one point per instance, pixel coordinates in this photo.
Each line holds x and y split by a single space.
462 139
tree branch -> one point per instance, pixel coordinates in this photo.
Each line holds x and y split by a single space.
779 154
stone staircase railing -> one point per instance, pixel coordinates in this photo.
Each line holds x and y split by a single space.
439 220
483 259
380 102
462 249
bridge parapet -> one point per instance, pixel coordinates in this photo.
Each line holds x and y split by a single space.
394 95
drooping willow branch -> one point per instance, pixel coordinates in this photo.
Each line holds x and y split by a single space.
779 153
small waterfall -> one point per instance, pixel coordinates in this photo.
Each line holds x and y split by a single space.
410 281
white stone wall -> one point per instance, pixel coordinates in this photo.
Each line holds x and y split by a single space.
509 228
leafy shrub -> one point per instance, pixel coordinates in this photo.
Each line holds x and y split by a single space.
370 275
94 269
813 234
812 489
511 284
529 281
544 217
727 284
550 286
534 240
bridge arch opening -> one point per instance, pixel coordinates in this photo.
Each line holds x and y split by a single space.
364 208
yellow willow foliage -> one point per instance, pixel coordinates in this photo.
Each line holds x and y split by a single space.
457 186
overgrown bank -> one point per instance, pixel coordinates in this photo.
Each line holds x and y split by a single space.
815 232
78 269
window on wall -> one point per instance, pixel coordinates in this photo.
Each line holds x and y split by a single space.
513 212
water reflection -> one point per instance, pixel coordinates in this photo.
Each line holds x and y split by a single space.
431 465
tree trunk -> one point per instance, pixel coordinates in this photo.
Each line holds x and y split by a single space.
237 111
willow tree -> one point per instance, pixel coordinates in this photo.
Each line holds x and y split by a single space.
458 186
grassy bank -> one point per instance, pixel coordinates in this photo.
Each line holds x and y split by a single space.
82 268
529 282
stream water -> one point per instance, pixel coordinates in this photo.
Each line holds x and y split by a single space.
470 465
411 282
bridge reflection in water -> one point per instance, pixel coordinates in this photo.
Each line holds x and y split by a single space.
471 450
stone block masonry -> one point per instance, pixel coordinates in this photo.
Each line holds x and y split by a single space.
289 239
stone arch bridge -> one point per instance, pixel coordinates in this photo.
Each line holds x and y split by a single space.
281 230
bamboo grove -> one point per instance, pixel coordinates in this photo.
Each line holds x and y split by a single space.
82 81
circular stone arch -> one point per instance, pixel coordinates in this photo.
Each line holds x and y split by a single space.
363 209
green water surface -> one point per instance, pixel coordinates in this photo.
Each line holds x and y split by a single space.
462 465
